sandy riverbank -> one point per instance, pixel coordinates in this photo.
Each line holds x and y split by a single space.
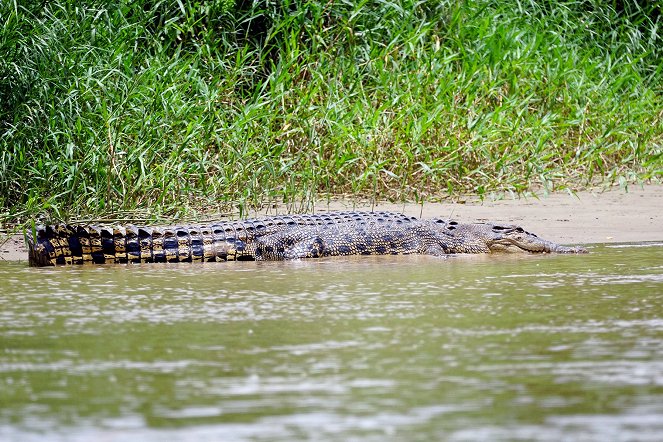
585 218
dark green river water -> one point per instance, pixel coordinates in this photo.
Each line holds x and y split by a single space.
541 348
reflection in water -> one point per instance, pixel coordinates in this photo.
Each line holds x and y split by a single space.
371 348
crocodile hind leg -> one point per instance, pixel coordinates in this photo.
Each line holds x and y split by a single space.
311 248
279 247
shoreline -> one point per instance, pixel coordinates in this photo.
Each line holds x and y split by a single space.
587 217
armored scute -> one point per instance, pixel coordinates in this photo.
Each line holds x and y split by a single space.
281 238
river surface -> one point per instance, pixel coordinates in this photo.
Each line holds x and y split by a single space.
536 348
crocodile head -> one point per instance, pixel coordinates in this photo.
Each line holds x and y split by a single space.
498 238
514 239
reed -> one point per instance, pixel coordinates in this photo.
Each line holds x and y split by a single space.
171 108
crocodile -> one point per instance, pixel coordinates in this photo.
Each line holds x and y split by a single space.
283 237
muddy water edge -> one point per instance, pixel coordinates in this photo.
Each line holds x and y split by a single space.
364 348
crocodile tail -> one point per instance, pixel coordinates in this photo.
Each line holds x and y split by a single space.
65 244
52 245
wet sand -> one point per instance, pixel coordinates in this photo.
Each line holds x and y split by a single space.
584 218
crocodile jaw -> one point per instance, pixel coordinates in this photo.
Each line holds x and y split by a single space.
523 242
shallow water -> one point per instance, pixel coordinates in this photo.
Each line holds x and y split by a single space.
542 348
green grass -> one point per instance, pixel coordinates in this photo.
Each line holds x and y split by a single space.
169 107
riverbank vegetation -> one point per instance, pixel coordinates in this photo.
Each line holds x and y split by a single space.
171 106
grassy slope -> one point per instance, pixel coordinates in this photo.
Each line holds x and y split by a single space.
137 105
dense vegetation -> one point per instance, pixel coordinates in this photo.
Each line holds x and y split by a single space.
108 106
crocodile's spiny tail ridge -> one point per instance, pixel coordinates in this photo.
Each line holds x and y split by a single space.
81 244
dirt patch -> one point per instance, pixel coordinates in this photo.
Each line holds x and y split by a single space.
13 248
